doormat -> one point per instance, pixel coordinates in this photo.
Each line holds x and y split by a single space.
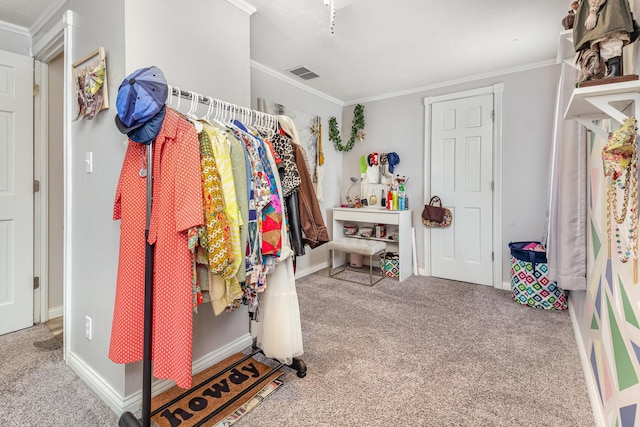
218 392
252 403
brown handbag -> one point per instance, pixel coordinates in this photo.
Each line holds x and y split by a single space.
434 215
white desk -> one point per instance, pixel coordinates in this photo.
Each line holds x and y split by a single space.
375 215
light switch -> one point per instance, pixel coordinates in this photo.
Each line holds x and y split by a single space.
89 162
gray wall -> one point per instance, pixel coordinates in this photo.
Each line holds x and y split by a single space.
528 105
12 41
398 122
191 58
264 85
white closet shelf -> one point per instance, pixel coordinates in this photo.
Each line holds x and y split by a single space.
605 101
566 51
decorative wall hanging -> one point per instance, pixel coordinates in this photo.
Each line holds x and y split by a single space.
90 82
357 130
307 126
620 165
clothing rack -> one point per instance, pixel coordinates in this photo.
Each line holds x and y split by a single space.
224 111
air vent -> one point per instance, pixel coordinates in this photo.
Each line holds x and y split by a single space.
303 72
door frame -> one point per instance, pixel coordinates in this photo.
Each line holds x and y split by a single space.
57 40
497 91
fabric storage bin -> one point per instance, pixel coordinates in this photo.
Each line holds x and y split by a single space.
390 264
530 284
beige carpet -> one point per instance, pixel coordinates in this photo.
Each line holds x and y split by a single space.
428 352
37 389
424 352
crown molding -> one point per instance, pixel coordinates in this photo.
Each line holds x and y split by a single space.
289 80
23 31
453 82
48 14
244 6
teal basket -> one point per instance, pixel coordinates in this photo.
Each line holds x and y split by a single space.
390 264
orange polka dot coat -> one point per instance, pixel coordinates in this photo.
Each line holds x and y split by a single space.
177 206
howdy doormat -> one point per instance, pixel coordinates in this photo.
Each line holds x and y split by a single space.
218 392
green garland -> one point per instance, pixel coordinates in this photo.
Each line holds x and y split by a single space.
357 125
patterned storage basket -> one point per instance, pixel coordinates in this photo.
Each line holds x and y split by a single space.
529 282
390 264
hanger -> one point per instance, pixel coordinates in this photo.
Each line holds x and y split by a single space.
191 114
178 97
170 97
210 109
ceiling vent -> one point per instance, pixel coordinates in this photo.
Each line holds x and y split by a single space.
303 72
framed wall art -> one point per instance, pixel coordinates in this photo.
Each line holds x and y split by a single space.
90 82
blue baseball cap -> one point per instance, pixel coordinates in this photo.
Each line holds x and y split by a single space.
141 96
148 132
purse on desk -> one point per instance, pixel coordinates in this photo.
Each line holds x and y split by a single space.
434 215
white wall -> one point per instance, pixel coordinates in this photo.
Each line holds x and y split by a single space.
202 46
15 41
264 85
397 124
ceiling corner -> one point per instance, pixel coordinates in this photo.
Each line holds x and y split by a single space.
244 6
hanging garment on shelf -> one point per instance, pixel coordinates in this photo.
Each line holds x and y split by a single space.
176 171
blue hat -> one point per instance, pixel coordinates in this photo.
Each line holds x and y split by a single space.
146 133
393 160
141 96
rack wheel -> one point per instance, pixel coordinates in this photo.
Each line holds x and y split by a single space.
127 419
299 366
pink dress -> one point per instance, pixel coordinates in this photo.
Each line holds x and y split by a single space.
177 206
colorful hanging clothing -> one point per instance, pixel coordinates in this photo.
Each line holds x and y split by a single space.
291 177
222 154
213 238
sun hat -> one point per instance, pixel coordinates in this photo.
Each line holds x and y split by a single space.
141 96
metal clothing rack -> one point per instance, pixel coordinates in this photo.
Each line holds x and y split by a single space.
224 111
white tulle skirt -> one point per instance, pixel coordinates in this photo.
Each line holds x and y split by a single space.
279 329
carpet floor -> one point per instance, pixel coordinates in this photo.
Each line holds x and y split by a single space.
425 352
37 389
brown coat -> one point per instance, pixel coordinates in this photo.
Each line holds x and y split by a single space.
313 227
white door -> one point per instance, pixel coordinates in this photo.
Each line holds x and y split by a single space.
16 192
461 175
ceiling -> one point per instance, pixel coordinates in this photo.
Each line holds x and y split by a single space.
380 48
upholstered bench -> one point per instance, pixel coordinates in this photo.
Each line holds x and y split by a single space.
356 246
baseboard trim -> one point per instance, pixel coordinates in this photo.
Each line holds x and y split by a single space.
506 286
592 388
108 395
132 402
55 312
307 271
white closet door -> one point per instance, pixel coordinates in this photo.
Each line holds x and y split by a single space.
16 192
461 175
